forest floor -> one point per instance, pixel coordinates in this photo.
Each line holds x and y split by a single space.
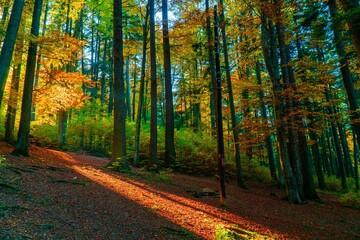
62 195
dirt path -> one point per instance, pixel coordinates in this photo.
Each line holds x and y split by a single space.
58 195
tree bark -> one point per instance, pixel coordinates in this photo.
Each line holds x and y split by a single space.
218 105
345 71
153 86
118 156
210 48
142 89
14 93
9 43
128 91
234 125
170 153
22 145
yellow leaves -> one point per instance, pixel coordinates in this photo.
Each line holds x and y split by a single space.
59 90
59 50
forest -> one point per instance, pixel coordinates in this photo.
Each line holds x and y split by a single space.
263 91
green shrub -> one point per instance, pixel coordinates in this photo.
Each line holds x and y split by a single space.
351 199
44 134
254 171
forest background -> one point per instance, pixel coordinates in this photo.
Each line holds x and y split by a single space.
268 89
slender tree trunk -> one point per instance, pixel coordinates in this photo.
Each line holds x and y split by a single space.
142 88
338 150
219 123
345 70
134 91
9 43
210 48
14 94
170 153
22 145
127 74
234 125
356 165
268 140
104 70
119 135
153 94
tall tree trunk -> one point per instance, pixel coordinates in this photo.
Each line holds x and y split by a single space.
268 140
210 48
170 153
134 91
338 150
127 74
234 125
153 92
142 89
345 70
38 63
22 145
218 105
104 71
271 60
356 165
9 43
119 136
14 93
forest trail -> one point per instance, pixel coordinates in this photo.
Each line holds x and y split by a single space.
61 195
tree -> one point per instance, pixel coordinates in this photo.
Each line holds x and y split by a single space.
22 145
170 153
9 43
142 88
218 105
240 178
119 134
153 87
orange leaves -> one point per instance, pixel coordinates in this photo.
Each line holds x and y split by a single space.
61 90
59 50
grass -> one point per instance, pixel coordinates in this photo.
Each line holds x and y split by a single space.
235 232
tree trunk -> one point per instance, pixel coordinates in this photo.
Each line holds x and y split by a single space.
210 48
118 157
234 125
141 92
127 74
134 91
345 70
38 63
9 43
22 145
14 95
268 140
218 107
356 152
62 126
271 60
170 153
153 92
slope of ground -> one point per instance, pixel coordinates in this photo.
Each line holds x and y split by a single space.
60 195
